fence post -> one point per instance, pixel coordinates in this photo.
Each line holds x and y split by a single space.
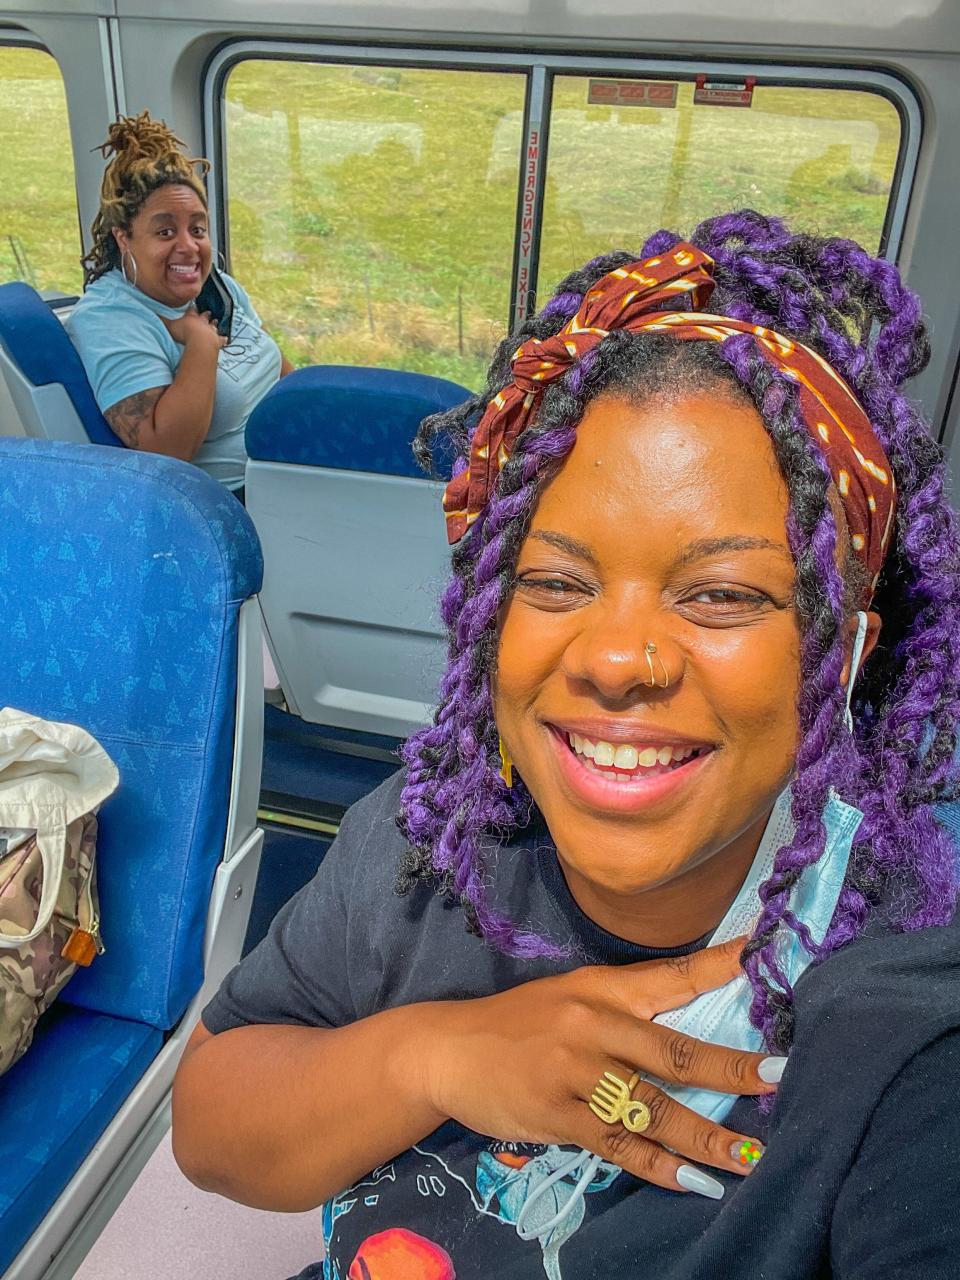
366 285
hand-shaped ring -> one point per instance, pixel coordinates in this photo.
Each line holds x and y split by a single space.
611 1101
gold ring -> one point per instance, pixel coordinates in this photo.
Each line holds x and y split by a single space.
611 1101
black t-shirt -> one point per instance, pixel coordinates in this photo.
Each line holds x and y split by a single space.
861 1178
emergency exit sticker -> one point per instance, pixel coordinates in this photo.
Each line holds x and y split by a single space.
723 93
632 93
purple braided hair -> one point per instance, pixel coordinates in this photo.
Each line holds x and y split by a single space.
902 757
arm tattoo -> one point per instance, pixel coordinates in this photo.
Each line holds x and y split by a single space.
126 417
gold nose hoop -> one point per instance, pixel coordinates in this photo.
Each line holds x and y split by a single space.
650 652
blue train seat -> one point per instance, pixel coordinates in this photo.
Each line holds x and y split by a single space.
353 544
126 585
44 373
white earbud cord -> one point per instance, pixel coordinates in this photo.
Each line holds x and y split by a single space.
855 656
578 1160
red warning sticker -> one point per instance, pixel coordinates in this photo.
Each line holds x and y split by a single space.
632 93
725 93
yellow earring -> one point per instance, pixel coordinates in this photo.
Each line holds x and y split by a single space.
506 764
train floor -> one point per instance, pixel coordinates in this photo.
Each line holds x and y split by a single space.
167 1229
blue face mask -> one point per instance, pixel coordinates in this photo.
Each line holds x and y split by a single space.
722 1016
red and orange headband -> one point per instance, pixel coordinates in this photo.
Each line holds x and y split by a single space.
628 299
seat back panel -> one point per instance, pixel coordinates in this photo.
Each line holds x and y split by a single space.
45 413
354 567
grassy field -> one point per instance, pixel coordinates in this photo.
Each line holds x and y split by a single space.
820 158
372 210
39 231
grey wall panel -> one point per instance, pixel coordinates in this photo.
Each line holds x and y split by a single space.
163 67
930 252
860 26
915 25
27 10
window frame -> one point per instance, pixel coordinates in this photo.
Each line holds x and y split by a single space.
540 70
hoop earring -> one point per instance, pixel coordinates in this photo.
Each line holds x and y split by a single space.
649 652
221 261
123 268
506 764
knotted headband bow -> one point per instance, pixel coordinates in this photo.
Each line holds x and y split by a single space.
628 298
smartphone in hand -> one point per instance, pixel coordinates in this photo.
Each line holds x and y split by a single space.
216 298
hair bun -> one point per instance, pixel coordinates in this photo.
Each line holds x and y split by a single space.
140 138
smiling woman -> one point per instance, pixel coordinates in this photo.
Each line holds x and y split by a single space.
174 351
670 888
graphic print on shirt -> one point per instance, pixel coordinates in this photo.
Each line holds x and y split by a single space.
244 348
398 1254
463 1201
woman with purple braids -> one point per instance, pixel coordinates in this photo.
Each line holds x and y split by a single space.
645 965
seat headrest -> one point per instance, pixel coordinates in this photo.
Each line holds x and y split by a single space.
351 419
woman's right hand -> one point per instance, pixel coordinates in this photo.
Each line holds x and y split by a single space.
522 1065
196 328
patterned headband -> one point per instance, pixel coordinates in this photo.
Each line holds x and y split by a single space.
628 298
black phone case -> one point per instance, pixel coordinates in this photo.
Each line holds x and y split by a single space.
215 297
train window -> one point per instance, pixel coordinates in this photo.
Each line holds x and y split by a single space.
372 209
626 157
39 227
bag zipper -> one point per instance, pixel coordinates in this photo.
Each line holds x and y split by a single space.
85 943
93 916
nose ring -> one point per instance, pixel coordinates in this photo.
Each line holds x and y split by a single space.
650 652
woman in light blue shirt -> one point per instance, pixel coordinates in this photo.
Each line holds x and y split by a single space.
167 378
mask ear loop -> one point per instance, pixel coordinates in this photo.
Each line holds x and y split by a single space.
855 657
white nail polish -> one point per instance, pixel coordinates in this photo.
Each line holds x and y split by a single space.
771 1069
692 1179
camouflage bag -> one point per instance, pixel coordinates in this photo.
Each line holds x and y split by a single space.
53 777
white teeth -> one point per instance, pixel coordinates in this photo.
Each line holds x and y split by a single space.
627 757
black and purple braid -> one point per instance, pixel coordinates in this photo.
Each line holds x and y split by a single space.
902 757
